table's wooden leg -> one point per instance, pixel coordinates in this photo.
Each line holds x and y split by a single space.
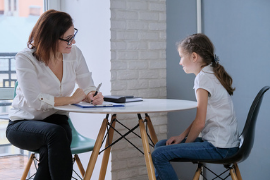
147 153
151 129
95 152
106 154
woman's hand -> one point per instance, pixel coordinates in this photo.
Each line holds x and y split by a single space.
174 140
96 100
78 96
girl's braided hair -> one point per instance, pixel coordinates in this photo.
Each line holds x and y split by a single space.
201 44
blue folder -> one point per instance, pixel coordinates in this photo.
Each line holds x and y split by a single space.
105 104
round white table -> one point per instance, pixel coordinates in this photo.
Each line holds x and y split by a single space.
145 106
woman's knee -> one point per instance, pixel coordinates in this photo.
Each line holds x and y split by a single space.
43 152
56 133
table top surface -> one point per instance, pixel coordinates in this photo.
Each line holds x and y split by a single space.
145 106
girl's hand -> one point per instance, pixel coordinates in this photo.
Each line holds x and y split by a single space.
78 96
174 140
96 100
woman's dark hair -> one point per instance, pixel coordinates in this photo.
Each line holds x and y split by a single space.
201 44
49 28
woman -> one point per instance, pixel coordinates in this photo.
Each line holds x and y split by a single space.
47 72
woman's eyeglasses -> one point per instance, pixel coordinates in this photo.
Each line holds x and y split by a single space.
69 41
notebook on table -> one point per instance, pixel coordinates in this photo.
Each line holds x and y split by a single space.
121 99
105 104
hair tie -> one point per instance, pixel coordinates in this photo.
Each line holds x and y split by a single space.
216 59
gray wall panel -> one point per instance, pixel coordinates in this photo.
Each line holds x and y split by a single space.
181 21
240 31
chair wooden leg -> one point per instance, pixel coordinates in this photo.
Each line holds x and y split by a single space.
198 172
106 153
80 166
95 152
151 129
233 174
28 165
147 153
238 174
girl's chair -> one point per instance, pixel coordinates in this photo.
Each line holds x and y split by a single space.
246 144
79 144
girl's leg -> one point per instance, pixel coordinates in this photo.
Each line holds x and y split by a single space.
162 143
52 137
159 144
196 150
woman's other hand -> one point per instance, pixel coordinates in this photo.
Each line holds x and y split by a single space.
96 100
78 96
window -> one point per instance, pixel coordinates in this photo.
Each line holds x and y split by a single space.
7 70
17 18
15 5
1 7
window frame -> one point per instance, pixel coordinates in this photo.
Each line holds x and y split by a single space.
52 4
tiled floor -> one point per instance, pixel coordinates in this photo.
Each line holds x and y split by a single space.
12 167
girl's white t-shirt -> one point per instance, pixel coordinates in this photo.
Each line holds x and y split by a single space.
38 85
221 125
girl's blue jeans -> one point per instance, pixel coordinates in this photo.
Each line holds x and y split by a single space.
198 149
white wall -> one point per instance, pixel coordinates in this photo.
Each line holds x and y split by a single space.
92 19
138 46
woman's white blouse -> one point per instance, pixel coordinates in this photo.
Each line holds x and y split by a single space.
38 85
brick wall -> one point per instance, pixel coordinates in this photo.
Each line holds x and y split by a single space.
138 67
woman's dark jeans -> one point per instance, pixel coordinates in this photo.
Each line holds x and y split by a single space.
51 137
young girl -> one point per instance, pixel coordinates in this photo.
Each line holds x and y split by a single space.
215 118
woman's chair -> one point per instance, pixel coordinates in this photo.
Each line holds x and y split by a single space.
79 144
246 144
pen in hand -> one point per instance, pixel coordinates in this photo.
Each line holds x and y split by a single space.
96 91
